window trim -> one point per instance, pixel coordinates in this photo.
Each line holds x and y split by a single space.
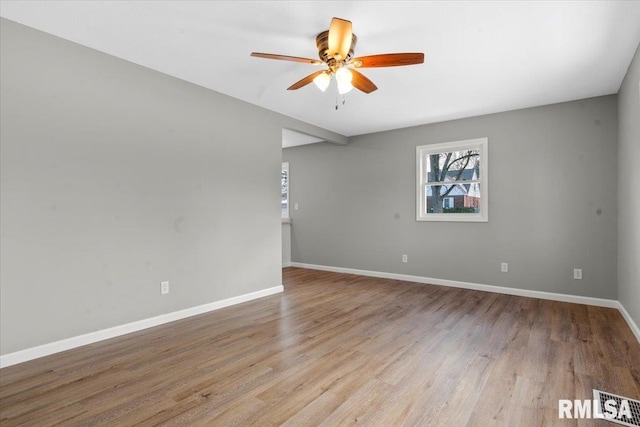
422 151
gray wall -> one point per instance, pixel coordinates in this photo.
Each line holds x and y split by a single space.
628 199
114 178
286 244
553 204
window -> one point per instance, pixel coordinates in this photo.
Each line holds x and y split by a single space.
451 181
284 185
447 203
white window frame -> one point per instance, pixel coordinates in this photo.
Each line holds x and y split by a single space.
422 155
285 167
450 201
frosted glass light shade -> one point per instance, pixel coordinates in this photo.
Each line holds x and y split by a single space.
343 78
322 81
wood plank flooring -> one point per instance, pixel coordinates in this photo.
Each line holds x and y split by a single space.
334 350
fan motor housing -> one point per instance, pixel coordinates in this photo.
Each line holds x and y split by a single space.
322 41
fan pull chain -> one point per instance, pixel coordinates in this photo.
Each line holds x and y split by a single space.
344 100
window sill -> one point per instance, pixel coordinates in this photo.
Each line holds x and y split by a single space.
452 217
286 220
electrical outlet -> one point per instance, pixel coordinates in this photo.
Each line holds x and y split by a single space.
577 274
164 288
295 206
504 267
404 258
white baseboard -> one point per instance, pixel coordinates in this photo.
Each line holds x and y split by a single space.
634 328
92 337
286 264
78 341
600 302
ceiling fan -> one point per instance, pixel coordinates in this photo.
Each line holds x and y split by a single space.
335 48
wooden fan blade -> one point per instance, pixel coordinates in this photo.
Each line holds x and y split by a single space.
340 35
286 58
388 60
361 82
305 81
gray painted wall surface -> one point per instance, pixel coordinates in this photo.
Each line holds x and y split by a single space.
553 205
628 199
114 178
286 244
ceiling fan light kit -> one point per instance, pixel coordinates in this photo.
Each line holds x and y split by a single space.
343 79
336 50
322 80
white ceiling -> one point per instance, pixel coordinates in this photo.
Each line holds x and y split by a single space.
292 138
480 57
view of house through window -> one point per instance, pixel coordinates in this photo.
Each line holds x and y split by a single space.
284 185
451 181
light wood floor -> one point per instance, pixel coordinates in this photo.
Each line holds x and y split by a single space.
336 350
